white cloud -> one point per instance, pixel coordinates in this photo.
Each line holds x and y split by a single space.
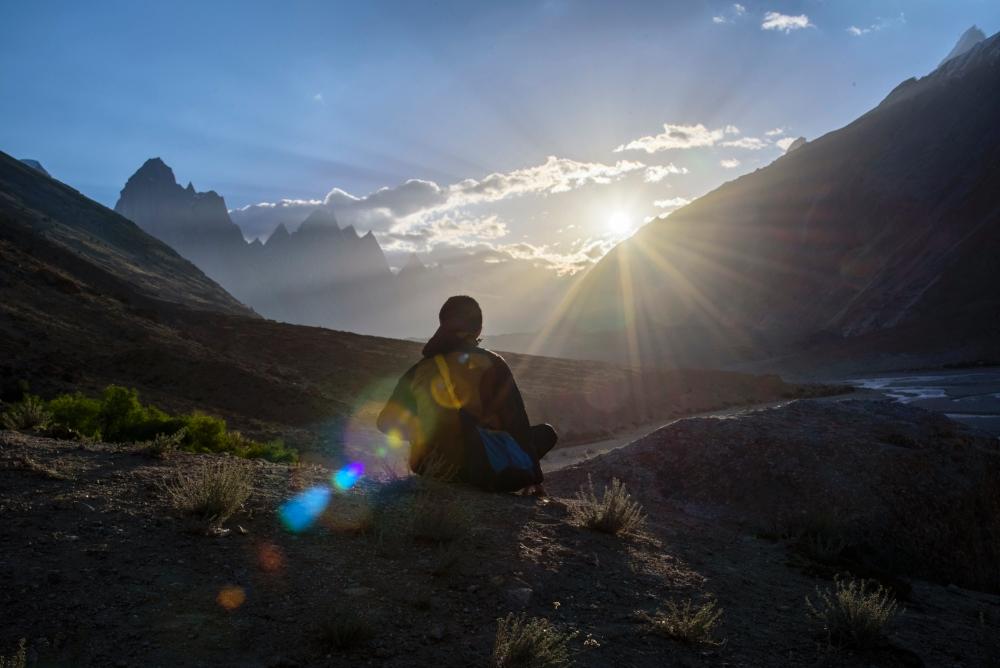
318 97
775 132
731 163
731 130
556 175
672 203
785 143
674 137
879 24
749 143
785 22
735 12
656 173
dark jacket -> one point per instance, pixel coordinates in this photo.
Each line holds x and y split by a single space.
424 412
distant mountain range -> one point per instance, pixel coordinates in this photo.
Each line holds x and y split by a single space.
874 245
322 274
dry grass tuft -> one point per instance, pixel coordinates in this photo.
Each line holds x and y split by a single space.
615 512
19 659
163 445
212 491
854 613
29 413
344 628
529 643
687 622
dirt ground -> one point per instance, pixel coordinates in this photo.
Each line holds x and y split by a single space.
98 569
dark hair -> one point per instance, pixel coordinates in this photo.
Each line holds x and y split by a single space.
461 313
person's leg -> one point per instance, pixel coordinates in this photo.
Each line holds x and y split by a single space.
543 439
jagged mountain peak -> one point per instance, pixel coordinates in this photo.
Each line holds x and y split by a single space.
35 165
969 39
320 219
154 170
798 143
279 234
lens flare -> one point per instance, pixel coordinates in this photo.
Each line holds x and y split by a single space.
231 597
346 477
270 558
395 439
300 512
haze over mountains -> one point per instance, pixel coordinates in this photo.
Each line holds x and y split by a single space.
322 274
876 243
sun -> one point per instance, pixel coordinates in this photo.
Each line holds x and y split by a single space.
619 223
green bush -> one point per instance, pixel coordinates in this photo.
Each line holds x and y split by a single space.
77 412
119 416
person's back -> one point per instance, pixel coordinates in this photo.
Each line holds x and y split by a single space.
455 385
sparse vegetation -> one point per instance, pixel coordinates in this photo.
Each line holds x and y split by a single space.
29 413
687 622
119 416
19 659
615 512
854 613
212 491
344 627
529 643
162 445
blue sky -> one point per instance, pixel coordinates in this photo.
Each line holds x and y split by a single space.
265 101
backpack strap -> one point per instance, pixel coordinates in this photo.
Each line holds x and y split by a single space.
446 376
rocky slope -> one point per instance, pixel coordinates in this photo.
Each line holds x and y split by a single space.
102 570
880 237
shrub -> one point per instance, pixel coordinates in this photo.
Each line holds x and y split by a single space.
854 613
615 512
163 445
529 643
19 659
29 413
119 416
212 491
439 518
344 628
77 412
687 622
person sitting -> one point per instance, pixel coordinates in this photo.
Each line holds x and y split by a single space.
462 412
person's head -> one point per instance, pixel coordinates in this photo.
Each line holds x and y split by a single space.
461 316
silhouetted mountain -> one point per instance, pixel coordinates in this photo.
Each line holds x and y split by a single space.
969 39
195 224
34 164
882 236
